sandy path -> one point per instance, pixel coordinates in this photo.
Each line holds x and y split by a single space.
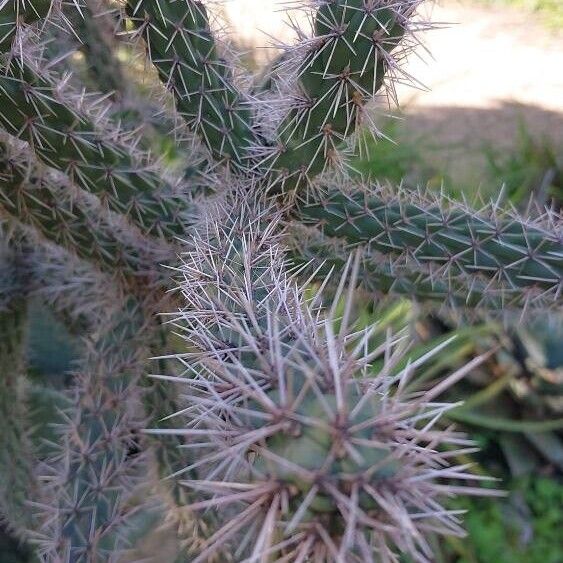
489 57
484 56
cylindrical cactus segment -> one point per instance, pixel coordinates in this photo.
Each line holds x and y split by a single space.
302 452
101 161
381 274
342 69
182 47
17 462
15 12
36 197
512 254
99 464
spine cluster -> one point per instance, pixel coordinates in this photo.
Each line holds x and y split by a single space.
310 454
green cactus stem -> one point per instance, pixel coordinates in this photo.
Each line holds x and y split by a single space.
515 260
17 460
379 274
99 461
99 48
72 140
36 197
297 458
182 48
276 427
79 294
17 12
342 68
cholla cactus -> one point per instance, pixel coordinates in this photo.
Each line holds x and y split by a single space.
268 435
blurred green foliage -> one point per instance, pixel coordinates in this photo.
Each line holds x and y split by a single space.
532 166
524 528
550 11
396 157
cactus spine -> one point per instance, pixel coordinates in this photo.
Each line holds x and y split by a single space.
180 44
460 254
13 14
339 71
97 469
276 437
71 218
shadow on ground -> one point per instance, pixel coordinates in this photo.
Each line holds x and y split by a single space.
454 140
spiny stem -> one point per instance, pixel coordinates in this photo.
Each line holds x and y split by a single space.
483 256
17 459
39 198
99 461
66 135
183 49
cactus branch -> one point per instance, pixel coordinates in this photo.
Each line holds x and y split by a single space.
17 458
98 45
66 134
181 46
275 402
63 214
92 477
356 48
484 256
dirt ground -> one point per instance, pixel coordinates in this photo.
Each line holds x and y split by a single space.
493 70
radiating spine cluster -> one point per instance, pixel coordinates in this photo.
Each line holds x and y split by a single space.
302 451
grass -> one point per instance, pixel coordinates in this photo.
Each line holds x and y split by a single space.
531 166
524 528
550 11
397 158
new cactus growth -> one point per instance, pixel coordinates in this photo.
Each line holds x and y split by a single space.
266 432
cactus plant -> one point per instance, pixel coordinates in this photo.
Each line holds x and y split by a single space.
271 429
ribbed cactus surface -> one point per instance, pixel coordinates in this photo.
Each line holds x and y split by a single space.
180 44
71 218
16 449
458 253
194 214
104 162
338 73
97 462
